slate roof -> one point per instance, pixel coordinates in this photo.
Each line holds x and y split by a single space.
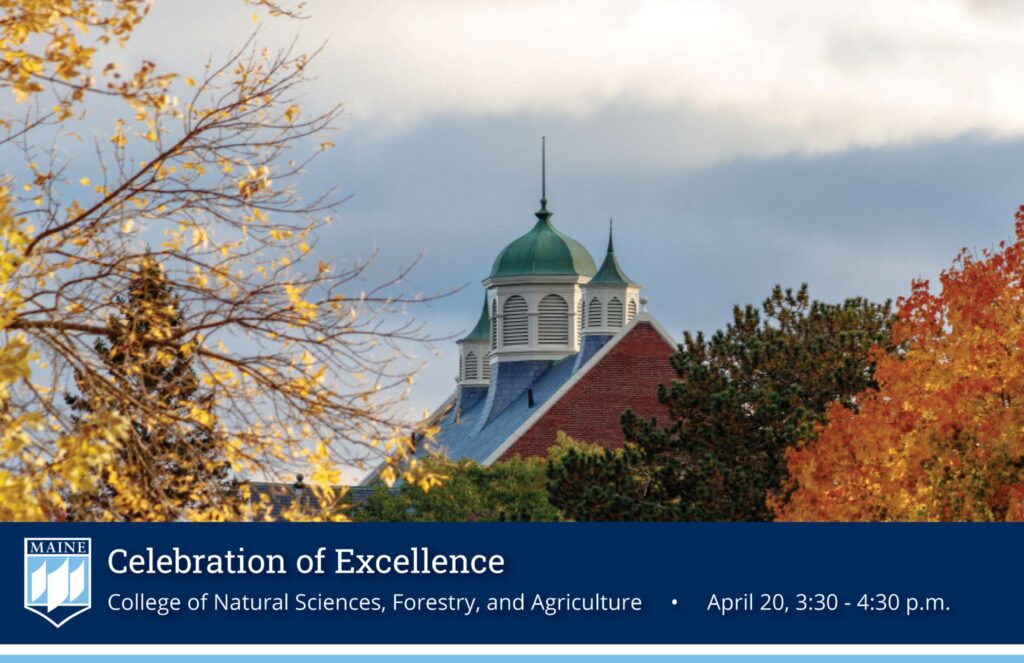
280 497
461 435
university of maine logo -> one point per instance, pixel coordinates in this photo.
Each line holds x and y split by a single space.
58 577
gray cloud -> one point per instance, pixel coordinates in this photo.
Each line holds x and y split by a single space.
864 222
801 75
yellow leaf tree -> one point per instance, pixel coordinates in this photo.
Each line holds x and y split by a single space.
300 369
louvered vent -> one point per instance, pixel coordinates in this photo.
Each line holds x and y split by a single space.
472 366
632 309
554 321
494 325
594 313
487 367
615 312
462 370
515 325
579 320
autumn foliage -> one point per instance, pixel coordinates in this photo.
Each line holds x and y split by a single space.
943 438
288 364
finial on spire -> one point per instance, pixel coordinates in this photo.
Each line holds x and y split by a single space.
543 214
611 245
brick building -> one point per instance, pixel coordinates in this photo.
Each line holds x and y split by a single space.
560 345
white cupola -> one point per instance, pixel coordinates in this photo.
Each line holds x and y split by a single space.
474 351
611 299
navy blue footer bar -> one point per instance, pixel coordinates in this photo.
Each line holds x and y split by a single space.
512 583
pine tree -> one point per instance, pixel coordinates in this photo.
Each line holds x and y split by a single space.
743 397
176 464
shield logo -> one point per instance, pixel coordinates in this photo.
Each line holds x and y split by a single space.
58 577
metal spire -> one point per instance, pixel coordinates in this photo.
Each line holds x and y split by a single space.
543 173
543 214
611 245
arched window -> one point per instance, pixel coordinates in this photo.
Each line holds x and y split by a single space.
472 366
615 312
594 313
632 309
494 324
554 321
579 319
515 328
487 368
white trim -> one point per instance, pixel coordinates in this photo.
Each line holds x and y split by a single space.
535 279
604 294
613 286
642 317
529 354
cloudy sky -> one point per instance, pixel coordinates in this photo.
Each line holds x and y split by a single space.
853 146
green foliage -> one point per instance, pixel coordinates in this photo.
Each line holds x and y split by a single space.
586 476
742 397
512 490
161 469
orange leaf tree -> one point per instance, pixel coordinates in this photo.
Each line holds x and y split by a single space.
943 437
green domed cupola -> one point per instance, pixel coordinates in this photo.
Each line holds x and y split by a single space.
544 251
535 305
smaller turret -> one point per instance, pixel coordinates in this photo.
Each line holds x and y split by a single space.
474 361
474 364
610 301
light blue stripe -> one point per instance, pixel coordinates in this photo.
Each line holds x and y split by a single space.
544 658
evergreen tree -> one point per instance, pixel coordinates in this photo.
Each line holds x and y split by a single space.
743 397
165 468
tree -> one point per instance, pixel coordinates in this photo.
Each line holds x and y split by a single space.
941 439
159 470
512 490
596 483
742 398
28 491
301 363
